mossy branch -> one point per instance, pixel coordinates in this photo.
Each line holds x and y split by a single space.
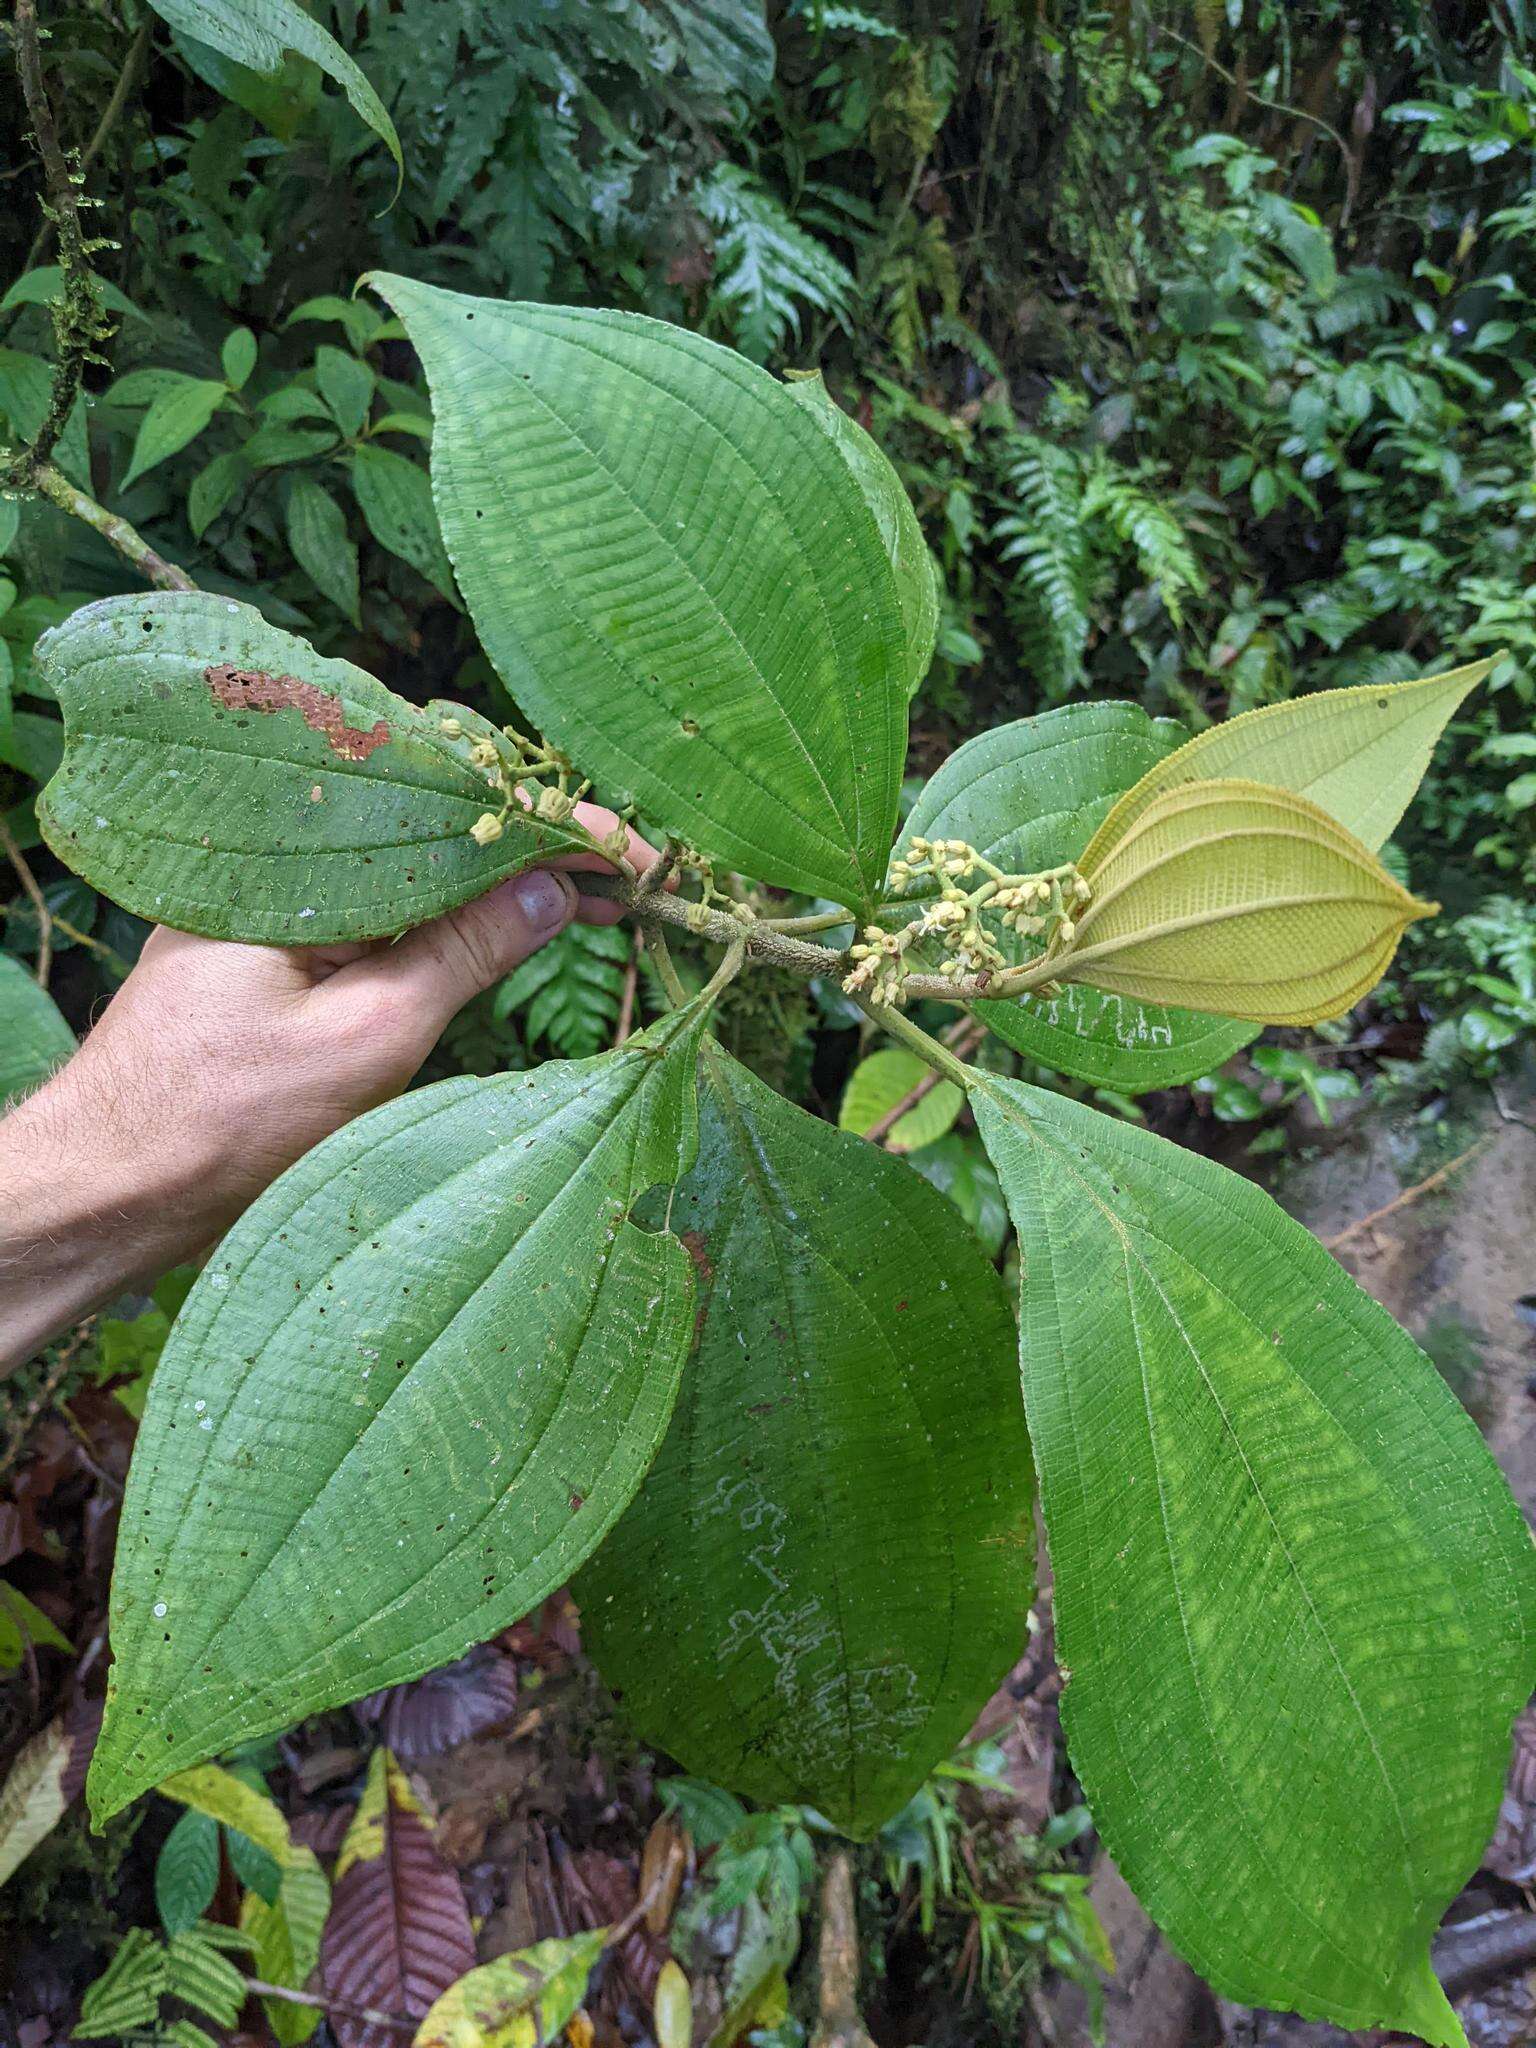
80 322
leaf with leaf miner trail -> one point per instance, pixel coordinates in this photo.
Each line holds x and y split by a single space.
1240 898
681 576
412 1389
829 1566
222 777
399 1933
1294 1595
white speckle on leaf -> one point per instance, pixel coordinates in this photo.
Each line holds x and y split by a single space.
159 1609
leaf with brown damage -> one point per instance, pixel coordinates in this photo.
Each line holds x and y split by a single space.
249 689
221 776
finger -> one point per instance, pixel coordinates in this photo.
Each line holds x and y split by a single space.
640 854
434 970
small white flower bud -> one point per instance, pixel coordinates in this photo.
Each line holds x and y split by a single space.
451 728
486 829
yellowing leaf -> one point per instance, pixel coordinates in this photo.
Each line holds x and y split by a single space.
1242 899
518 2001
1357 754
34 1795
673 2008
285 1936
223 1796
285 1940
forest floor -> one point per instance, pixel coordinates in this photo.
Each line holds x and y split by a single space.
551 1819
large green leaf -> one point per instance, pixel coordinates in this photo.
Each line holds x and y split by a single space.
917 586
34 1039
681 574
1357 754
1294 1597
258 33
1030 795
412 1389
828 1568
221 776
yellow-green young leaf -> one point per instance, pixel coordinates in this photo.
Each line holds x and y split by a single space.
877 1084
518 2001
688 575
1358 754
1030 795
1242 899
673 2008
414 1386
222 777
1295 1601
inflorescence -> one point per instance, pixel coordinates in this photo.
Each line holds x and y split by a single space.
955 919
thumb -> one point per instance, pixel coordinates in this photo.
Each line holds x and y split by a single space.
435 969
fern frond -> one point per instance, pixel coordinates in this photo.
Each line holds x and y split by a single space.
948 330
1149 526
568 995
767 269
1044 539
920 264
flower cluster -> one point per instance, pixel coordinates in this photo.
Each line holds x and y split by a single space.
508 760
955 919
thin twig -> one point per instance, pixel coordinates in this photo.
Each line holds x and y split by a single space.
1274 106
28 881
1408 1195
962 1043
392 2021
627 999
113 528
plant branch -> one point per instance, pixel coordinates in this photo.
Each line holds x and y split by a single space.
1408 1195
963 1039
78 319
129 542
392 2022
34 894
653 907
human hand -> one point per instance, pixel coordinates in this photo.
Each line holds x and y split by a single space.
217 1065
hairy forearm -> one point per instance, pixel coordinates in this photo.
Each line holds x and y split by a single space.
90 1206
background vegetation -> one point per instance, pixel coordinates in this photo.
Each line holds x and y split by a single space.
1204 337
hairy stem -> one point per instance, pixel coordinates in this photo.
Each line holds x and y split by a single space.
128 541
661 959
651 908
962 1038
